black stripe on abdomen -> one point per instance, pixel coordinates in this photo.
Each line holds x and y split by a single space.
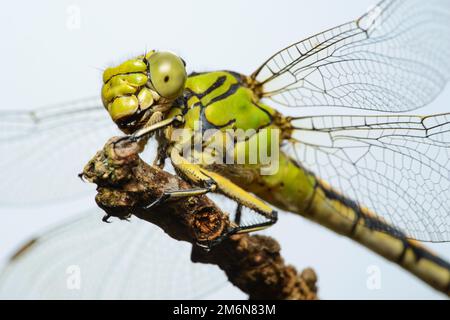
376 224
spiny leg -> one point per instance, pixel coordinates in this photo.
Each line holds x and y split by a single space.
161 155
273 217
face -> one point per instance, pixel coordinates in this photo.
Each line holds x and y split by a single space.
135 89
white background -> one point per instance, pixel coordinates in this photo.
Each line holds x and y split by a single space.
46 59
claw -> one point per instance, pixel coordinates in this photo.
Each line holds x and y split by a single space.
130 138
105 218
133 138
158 201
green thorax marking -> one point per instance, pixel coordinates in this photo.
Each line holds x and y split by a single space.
221 100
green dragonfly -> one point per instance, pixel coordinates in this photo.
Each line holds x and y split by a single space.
380 179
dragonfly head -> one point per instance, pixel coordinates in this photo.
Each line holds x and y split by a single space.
135 89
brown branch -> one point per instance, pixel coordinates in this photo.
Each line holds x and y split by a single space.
252 263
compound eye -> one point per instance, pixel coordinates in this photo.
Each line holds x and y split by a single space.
167 74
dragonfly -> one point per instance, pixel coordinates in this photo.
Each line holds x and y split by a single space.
367 169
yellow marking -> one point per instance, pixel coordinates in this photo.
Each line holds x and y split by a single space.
129 66
238 194
253 229
198 175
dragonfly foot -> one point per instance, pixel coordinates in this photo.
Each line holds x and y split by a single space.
205 245
81 176
158 201
210 244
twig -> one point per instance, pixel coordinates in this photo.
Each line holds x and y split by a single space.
252 263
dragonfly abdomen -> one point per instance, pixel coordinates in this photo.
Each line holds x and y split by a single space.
346 217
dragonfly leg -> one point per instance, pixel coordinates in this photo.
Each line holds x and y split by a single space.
147 131
418 252
273 218
375 224
214 182
208 245
107 216
200 176
356 221
238 214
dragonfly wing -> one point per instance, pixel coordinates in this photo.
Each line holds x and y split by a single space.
88 259
397 166
394 58
44 150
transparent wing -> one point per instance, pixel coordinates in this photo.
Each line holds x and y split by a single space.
394 58
397 166
88 259
43 150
